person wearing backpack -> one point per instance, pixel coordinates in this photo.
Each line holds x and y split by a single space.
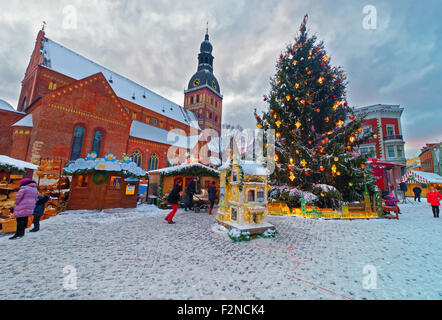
173 198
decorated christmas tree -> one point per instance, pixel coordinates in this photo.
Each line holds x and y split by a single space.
316 130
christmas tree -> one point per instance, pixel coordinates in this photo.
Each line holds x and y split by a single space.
316 130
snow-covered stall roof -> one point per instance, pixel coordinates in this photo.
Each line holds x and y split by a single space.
109 163
65 61
184 167
145 131
15 163
24 122
422 177
249 167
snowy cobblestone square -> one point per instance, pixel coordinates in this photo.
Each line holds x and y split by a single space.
135 254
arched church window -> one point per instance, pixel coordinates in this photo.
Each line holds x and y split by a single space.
96 142
137 157
23 104
153 162
77 142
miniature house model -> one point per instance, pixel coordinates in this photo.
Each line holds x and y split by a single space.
243 196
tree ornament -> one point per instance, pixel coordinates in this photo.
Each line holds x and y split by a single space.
303 162
292 176
352 117
306 174
281 56
321 168
362 166
278 123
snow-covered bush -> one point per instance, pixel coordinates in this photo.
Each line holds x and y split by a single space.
269 233
238 235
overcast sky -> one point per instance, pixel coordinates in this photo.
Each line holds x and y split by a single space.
156 42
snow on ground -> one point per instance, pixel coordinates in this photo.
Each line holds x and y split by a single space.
135 254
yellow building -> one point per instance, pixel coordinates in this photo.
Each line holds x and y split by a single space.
243 196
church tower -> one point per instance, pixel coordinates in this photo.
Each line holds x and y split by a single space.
203 95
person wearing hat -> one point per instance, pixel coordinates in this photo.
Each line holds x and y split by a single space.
24 205
38 211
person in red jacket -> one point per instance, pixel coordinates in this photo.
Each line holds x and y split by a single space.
433 198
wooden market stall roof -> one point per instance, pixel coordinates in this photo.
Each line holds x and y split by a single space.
193 169
11 163
422 177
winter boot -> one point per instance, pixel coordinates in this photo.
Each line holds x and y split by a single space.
210 210
34 230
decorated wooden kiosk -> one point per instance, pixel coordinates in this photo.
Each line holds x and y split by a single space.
103 183
243 197
11 172
421 179
161 181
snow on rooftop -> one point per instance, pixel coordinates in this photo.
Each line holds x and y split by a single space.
422 176
67 62
19 164
6 106
148 132
249 167
24 122
181 167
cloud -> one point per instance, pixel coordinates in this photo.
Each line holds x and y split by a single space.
156 43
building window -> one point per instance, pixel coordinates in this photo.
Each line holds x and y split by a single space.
137 157
260 195
363 150
216 118
210 115
211 101
234 176
23 105
134 116
96 142
390 151
390 130
399 151
191 100
52 85
233 213
251 196
153 162
154 121
197 98
77 142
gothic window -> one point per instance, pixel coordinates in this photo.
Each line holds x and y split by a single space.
154 121
153 162
137 157
23 105
191 100
96 142
52 85
77 142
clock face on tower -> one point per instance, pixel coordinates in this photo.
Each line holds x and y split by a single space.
214 85
196 83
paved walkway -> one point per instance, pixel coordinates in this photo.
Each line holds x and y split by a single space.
123 254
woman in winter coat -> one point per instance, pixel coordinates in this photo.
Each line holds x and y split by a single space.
212 196
38 212
433 198
24 205
173 198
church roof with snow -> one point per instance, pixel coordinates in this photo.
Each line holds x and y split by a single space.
7 107
65 61
145 131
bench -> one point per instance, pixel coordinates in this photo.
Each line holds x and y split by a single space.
389 208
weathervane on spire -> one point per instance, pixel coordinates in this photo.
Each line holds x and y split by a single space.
43 26
207 27
304 22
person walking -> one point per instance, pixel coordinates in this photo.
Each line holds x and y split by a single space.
173 198
433 198
417 193
212 196
24 205
38 211
190 191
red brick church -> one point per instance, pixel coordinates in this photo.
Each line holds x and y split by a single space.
70 106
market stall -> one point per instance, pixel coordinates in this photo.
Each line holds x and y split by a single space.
422 180
162 181
388 175
11 172
103 183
